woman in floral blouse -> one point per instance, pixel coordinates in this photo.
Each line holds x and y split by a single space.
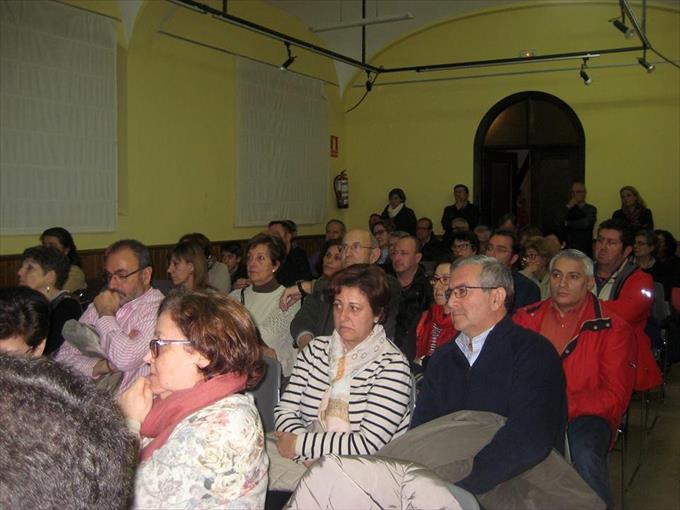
201 437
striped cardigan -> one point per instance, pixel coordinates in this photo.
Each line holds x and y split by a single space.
378 410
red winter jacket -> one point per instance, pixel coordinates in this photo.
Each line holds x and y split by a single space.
632 299
435 315
598 363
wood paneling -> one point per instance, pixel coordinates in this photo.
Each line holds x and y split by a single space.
93 260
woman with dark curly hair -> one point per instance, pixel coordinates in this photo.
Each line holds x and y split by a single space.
202 439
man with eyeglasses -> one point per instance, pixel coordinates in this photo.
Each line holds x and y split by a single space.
504 247
598 352
315 317
123 315
496 366
628 292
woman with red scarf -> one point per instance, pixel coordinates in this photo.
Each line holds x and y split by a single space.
435 327
201 437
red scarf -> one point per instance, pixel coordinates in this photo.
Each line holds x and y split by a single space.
435 316
166 413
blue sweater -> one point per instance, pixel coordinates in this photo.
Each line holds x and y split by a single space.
518 374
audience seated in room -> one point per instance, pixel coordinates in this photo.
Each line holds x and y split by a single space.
349 392
63 444
464 244
634 212
503 247
202 442
515 373
627 292
219 276
123 315
294 265
232 257
45 269
265 254
381 230
315 317
335 229
402 217
537 255
24 321
61 239
598 355
188 268
461 208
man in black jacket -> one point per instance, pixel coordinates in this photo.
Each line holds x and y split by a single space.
295 266
496 366
578 219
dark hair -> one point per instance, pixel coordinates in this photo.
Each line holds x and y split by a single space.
201 240
399 192
467 191
369 279
405 235
529 231
66 240
64 443
387 225
24 313
192 252
141 252
558 233
669 239
429 222
650 238
322 253
289 225
221 329
626 234
465 235
50 259
508 217
516 248
232 247
277 250
343 227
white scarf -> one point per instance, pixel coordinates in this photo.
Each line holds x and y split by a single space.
343 366
394 211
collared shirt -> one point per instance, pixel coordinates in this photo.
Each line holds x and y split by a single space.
603 288
471 347
124 338
560 328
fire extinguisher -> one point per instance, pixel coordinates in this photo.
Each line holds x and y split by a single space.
341 187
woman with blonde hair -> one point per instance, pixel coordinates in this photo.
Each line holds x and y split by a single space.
634 212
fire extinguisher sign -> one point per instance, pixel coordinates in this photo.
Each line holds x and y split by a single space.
334 146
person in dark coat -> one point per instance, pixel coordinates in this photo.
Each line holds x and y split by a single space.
633 213
295 266
402 217
578 220
461 208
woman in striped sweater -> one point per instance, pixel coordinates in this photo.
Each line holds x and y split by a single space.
349 393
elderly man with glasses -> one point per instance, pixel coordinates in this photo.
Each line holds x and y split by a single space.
123 315
496 366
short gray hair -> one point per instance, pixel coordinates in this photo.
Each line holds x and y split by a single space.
493 274
578 256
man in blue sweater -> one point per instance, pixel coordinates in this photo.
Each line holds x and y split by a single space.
496 366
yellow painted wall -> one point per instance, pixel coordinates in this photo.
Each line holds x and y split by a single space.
177 154
419 136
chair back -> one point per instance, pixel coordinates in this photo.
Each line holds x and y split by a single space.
267 393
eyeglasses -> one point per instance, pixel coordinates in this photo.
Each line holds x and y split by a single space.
120 276
443 279
461 246
355 247
462 291
491 248
156 344
531 256
608 242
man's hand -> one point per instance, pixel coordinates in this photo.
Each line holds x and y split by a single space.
137 399
285 443
100 368
304 340
107 303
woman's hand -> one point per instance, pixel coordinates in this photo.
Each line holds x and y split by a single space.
269 352
240 283
136 401
289 297
285 442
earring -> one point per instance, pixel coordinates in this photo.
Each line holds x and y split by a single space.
47 289
375 321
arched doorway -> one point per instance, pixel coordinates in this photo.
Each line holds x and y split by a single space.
529 148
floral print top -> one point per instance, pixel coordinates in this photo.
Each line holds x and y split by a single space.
215 458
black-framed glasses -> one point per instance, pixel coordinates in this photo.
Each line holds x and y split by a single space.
462 290
120 276
156 344
443 279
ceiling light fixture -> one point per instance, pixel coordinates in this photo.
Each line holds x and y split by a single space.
623 28
389 18
289 60
584 75
643 62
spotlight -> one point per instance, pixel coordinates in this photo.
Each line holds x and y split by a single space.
584 76
623 28
289 60
643 62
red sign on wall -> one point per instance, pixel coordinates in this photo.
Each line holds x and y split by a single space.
334 146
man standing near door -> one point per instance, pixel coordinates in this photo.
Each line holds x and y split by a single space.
578 219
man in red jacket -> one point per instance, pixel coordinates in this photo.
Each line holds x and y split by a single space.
598 356
628 292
